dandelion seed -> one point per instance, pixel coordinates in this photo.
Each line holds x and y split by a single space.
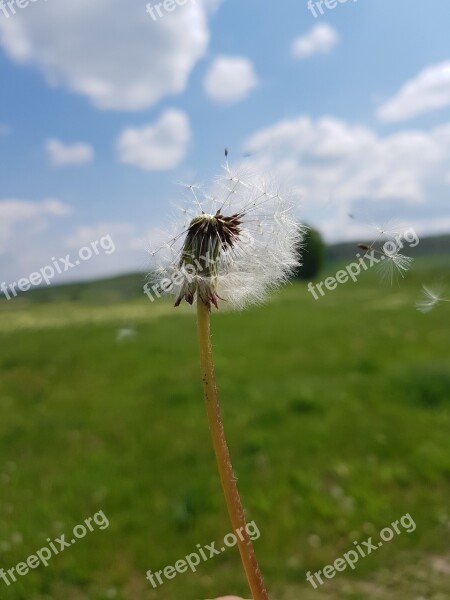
390 230
430 298
393 264
386 249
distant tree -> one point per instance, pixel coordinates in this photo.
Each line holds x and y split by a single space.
312 252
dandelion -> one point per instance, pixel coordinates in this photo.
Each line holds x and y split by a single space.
430 298
233 247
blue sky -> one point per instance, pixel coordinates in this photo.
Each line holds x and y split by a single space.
103 110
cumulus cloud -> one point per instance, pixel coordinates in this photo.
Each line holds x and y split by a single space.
115 55
113 250
428 91
334 166
230 79
86 234
117 251
75 154
16 216
158 146
321 39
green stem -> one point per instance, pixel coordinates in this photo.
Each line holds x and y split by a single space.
234 505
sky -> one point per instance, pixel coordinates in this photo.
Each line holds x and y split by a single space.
106 106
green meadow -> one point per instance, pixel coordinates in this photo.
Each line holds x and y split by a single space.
338 418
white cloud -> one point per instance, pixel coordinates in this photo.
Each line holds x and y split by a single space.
321 39
428 91
334 166
115 55
230 79
212 5
117 251
158 146
19 215
31 248
75 154
85 235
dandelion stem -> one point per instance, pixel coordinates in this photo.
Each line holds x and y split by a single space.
234 505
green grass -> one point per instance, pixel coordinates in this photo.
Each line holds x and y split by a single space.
337 412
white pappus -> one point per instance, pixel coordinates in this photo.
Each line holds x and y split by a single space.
234 244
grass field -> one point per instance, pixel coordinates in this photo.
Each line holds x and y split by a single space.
338 415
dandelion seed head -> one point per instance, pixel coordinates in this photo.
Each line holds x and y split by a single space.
235 243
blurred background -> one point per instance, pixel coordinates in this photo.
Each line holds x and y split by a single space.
337 409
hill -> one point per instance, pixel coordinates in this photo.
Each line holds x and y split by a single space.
129 286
